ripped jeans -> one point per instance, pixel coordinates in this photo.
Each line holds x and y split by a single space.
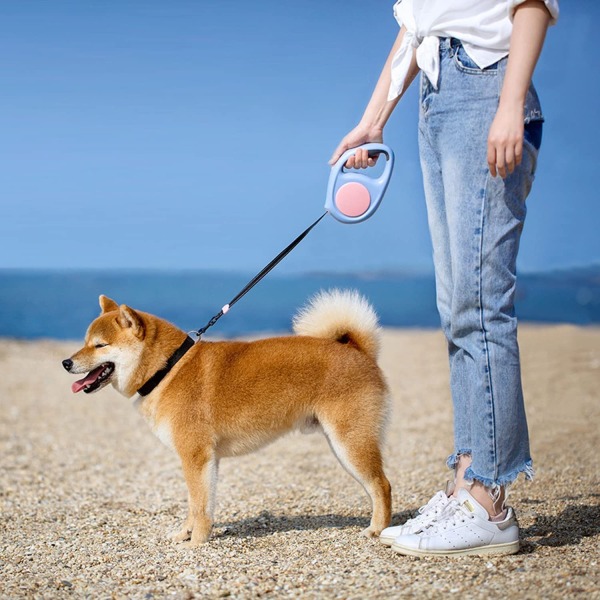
475 222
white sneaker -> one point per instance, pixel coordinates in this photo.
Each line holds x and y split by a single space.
425 515
463 528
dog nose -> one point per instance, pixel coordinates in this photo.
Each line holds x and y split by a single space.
67 364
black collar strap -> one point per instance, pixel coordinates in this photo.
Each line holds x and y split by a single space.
171 362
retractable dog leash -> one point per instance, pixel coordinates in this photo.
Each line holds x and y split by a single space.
352 197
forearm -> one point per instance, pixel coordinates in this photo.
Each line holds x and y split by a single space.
505 140
379 109
530 23
376 115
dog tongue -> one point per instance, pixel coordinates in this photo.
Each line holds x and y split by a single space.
89 378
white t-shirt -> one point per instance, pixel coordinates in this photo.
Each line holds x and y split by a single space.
484 28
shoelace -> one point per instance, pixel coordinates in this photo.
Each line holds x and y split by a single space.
453 513
431 507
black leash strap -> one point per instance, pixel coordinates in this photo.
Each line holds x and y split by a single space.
258 277
188 343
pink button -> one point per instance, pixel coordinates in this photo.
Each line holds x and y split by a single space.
353 199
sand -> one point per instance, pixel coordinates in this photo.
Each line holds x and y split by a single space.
88 495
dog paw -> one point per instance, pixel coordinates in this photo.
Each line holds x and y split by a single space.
194 543
371 532
190 545
181 536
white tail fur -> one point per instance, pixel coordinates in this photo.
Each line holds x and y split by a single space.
342 315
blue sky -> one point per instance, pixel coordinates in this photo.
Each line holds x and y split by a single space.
195 134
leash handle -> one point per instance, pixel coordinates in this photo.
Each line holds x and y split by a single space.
353 197
258 277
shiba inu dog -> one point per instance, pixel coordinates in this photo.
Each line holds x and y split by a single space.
211 400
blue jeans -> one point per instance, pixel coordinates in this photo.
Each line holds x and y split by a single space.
475 221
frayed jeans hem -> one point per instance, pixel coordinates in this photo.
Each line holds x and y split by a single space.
452 460
504 481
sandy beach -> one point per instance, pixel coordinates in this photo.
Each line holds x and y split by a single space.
88 495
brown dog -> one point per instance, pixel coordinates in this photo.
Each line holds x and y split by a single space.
217 399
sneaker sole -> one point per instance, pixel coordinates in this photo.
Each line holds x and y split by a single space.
509 548
386 541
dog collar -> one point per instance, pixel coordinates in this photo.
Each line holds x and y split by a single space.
171 362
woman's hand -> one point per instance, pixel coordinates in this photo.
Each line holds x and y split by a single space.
505 140
357 137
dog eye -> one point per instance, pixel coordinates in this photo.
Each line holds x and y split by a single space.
100 345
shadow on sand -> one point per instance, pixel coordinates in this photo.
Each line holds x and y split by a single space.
565 529
267 524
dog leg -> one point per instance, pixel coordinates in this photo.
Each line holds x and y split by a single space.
200 474
186 531
358 452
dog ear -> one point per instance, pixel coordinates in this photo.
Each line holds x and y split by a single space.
107 305
128 318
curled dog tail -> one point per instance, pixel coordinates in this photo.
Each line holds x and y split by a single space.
341 315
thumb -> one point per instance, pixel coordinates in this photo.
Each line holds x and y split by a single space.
343 146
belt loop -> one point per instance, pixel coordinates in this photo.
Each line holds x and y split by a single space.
446 45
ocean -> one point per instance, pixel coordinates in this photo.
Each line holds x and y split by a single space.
61 304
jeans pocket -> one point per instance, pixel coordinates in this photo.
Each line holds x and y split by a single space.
533 108
533 133
466 64
532 140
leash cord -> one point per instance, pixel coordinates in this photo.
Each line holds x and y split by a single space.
258 277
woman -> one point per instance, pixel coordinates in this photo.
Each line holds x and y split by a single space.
480 128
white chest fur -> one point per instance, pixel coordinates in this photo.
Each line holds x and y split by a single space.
163 432
160 428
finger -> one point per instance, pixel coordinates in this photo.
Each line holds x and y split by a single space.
369 161
510 160
500 160
501 164
358 159
350 163
518 153
373 158
491 160
342 147
364 155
